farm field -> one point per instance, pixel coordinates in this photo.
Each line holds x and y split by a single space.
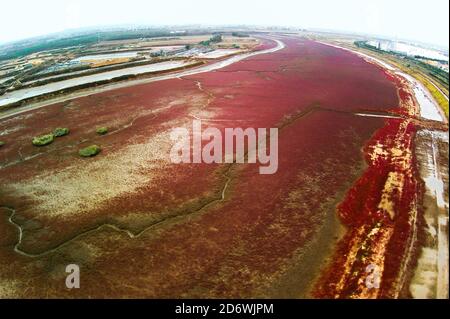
349 191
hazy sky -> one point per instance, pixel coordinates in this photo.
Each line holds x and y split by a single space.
426 21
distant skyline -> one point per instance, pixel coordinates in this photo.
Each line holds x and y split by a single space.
414 20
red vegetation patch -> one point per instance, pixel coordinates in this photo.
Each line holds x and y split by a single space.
203 245
381 209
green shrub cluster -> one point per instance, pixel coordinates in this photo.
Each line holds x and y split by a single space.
60 131
214 39
102 130
49 138
90 151
43 140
